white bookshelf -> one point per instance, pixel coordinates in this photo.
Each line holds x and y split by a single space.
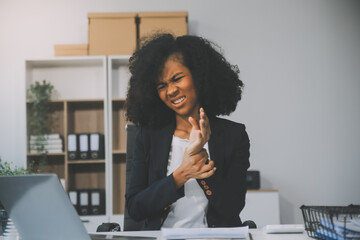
90 90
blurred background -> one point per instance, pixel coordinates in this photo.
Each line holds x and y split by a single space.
299 60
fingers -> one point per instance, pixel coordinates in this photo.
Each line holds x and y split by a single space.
207 170
199 136
196 166
193 123
204 125
208 174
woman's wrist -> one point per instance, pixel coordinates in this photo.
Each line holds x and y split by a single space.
179 178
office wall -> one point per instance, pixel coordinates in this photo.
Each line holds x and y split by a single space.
299 60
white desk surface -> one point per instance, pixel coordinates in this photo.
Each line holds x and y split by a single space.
257 234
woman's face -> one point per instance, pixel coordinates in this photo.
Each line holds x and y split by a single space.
176 88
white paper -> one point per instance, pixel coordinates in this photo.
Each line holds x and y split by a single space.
182 233
284 228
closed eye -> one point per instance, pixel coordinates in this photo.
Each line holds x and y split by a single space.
177 77
160 86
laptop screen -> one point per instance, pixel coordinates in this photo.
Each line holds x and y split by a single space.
40 208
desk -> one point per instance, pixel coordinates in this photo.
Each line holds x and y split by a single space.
257 234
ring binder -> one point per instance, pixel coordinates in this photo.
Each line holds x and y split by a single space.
96 146
84 146
72 146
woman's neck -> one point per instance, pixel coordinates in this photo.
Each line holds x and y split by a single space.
183 126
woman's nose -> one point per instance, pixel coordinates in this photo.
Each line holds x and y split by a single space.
172 90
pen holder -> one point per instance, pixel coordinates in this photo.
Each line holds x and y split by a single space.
332 222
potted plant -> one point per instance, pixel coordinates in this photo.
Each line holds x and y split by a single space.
6 170
39 95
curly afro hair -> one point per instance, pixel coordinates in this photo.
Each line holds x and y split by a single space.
216 81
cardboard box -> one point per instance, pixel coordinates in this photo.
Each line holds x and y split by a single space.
174 22
112 33
71 49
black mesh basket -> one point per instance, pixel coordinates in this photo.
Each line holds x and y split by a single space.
332 222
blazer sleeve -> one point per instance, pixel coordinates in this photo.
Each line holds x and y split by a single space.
148 198
228 185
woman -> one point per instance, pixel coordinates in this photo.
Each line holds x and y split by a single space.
189 167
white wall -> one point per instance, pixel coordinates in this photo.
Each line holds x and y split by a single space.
299 59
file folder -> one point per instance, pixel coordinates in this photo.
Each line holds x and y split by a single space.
84 146
84 203
97 201
73 195
72 146
88 201
96 146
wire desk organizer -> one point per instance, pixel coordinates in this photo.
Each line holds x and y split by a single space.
332 222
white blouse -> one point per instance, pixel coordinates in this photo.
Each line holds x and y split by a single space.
190 210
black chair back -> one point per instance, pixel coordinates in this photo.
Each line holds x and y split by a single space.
129 223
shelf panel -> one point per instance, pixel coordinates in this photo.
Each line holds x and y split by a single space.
49 154
85 61
51 101
84 100
119 99
87 161
119 151
75 100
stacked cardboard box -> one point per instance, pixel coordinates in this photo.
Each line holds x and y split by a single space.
119 33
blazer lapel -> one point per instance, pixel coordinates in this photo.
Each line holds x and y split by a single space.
161 141
216 143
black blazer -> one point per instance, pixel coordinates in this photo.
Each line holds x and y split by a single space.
151 192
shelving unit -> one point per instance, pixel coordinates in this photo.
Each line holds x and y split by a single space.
89 96
79 105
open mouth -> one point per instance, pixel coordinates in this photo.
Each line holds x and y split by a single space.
178 101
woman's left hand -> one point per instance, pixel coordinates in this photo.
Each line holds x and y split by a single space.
204 126
199 136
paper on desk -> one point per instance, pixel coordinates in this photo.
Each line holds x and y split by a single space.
182 233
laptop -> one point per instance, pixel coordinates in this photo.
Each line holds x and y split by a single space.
40 208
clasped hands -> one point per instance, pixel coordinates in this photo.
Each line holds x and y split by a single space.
196 163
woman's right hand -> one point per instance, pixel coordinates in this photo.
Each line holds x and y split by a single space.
193 166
